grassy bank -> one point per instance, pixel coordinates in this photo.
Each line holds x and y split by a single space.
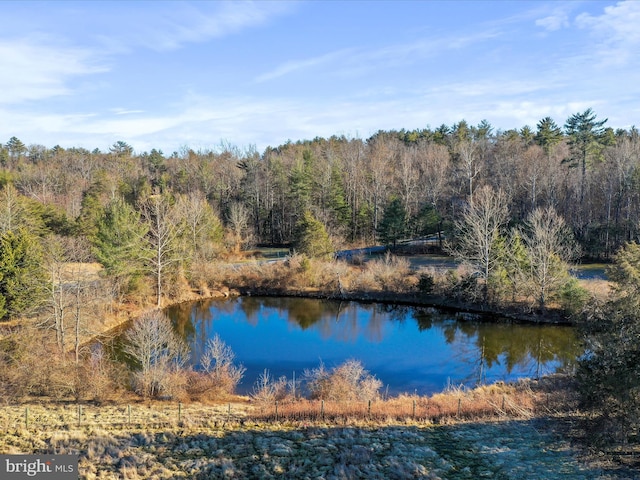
501 431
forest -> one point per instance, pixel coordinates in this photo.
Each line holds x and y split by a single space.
586 171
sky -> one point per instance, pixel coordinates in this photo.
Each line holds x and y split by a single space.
203 74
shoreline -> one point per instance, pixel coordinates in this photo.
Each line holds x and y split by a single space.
551 317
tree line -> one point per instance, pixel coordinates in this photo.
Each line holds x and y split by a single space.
586 171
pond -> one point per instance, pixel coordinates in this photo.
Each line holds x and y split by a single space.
412 350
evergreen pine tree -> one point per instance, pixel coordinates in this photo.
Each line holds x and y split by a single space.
311 237
119 241
393 224
22 273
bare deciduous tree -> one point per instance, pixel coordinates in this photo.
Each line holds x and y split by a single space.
469 164
348 381
239 218
378 177
158 352
550 246
203 228
11 209
217 364
477 232
163 233
434 163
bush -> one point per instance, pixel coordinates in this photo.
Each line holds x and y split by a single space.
573 297
464 287
101 376
268 390
346 382
390 273
31 365
219 376
426 283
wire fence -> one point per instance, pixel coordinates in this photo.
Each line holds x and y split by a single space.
157 415
419 409
53 417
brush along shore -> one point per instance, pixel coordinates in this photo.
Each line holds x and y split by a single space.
493 431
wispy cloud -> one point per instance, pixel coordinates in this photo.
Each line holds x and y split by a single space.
172 25
616 32
124 111
353 61
557 20
294 66
487 87
555 15
34 69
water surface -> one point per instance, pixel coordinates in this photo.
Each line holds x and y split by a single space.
414 350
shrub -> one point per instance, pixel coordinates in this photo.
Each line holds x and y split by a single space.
329 276
101 375
219 376
348 381
391 273
573 297
462 285
426 283
268 390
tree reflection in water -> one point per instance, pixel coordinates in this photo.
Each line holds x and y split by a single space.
408 348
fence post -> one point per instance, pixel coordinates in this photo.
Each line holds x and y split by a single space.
503 403
179 411
229 414
79 414
459 404
322 409
414 408
26 417
369 408
129 413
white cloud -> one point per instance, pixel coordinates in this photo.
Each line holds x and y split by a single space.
617 31
553 22
487 88
202 122
34 70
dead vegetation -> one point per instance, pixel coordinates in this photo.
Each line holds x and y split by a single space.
522 400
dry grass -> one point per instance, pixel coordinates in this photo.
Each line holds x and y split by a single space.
597 288
56 416
87 271
522 400
298 273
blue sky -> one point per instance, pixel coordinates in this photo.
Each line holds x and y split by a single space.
170 75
